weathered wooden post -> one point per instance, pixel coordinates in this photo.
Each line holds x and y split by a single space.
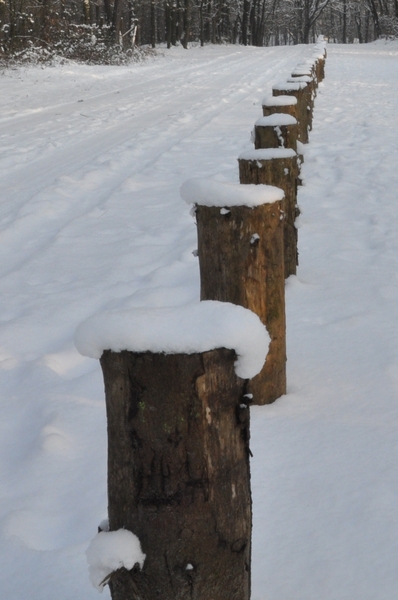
241 260
276 167
178 455
309 92
320 54
280 104
298 90
276 131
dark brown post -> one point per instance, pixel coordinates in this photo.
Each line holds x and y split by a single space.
242 261
178 473
280 104
299 91
320 66
276 131
276 167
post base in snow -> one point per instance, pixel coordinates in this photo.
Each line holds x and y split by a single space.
178 473
241 259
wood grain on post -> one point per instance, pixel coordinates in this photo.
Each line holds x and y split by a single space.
178 473
241 260
277 167
279 130
298 90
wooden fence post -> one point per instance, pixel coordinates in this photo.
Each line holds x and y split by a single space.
241 260
276 131
280 104
178 455
276 167
299 91
310 95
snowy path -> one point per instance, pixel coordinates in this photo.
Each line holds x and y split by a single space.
91 160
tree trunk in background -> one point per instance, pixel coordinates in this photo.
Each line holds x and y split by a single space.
245 22
178 473
153 24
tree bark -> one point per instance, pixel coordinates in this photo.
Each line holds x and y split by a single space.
178 473
241 261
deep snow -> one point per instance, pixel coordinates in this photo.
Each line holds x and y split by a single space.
92 159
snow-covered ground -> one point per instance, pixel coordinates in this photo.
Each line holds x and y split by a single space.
91 161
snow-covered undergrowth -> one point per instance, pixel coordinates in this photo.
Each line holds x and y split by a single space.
91 163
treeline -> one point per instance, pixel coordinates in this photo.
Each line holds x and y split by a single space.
89 28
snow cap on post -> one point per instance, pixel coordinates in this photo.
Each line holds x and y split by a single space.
187 329
276 120
208 192
279 101
267 154
289 86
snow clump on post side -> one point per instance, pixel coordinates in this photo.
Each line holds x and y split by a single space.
110 551
190 329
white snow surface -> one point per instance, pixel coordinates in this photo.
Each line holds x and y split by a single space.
188 329
289 86
267 153
276 120
279 101
91 162
210 192
110 551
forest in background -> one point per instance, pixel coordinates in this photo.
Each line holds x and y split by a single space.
113 30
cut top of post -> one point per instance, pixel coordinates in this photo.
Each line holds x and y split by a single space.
268 154
191 329
301 79
276 120
302 70
279 101
208 192
289 86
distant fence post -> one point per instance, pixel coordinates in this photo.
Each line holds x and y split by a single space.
241 260
276 167
299 91
178 445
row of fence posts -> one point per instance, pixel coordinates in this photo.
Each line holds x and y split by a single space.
178 424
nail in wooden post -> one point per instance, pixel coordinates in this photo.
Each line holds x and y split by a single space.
241 260
276 167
